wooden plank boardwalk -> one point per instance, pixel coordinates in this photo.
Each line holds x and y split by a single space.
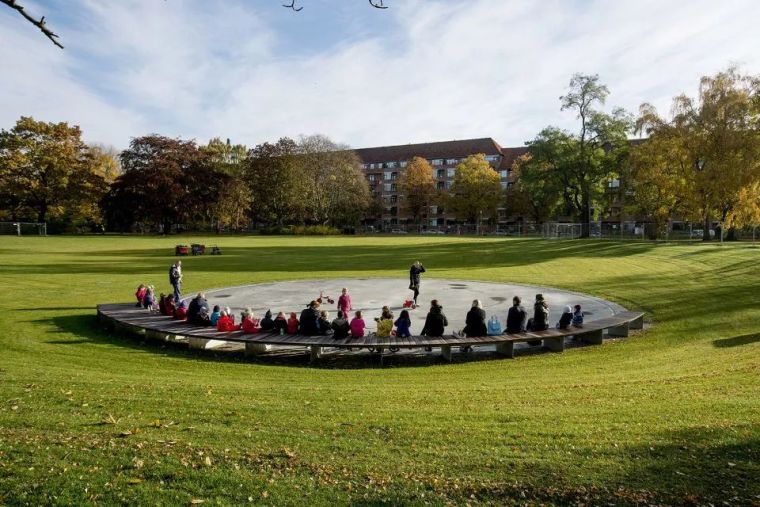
126 315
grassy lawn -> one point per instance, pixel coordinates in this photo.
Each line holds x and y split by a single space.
671 415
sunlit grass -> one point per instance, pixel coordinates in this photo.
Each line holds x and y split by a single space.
669 415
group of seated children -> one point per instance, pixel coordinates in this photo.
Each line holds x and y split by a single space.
312 321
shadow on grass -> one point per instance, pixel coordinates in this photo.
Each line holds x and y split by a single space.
737 341
301 258
88 328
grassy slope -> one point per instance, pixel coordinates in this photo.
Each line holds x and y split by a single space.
671 415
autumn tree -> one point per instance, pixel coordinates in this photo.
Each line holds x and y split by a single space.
332 186
714 140
417 186
233 205
47 171
165 181
476 192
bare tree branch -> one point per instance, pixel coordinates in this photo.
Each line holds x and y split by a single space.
377 4
292 6
39 24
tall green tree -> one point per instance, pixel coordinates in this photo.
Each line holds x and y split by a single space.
417 186
536 192
476 192
47 170
275 181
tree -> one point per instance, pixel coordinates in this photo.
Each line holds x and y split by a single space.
536 192
165 181
476 192
226 157
600 146
657 175
417 186
46 169
715 142
275 181
333 188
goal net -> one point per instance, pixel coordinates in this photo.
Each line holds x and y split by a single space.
24 228
555 230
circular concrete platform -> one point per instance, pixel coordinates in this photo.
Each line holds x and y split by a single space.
370 294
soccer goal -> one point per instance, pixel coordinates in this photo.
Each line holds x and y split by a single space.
556 230
24 228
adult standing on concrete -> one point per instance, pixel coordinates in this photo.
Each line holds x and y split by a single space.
414 279
175 279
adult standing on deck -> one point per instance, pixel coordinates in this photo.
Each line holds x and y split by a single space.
414 279
175 279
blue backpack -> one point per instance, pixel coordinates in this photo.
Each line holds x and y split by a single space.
494 326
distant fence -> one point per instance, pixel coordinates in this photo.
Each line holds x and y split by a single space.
23 228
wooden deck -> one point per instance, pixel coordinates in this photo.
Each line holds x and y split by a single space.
136 319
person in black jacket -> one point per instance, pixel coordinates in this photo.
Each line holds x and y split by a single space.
540 320
475 322
267 323
414 279
436 321
340 326
307 323
566 318
194 308
516 316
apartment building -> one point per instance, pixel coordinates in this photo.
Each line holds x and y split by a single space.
383 166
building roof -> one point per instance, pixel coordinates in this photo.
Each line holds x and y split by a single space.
510 155
444 149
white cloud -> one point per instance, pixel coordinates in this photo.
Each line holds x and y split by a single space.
438 70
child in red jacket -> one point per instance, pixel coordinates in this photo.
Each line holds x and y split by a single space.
180 312
249 324
226 322
293 323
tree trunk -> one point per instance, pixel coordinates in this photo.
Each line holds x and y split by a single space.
706 231
586 219
42 211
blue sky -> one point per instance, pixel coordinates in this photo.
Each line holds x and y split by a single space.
421 70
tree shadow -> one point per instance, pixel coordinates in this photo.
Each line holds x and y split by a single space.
325 257
737 341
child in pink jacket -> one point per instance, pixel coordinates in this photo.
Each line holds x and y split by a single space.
357 325
344 302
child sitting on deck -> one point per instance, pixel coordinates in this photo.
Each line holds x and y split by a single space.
249 324
149 301
323 323
357 325
226 322
180 312
280 323
403 324
566 318
267 323
293 323
578 316
340 326
215 314
385 323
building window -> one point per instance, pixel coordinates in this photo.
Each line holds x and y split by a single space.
371 177
390 165
441 173
452 161
503 185
393 187
387 175
451 172
434 222
403 163
387 187
394 176
510 184
441 185
504 174
433 210
437 161
448 184
394 198
492 158
614 183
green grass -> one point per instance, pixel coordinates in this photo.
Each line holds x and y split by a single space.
671 415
